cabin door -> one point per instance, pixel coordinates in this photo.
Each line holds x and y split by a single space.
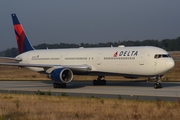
99 59
141 59
61 59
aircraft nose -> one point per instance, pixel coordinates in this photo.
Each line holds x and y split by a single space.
170 64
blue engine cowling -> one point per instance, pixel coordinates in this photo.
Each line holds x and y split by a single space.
64 75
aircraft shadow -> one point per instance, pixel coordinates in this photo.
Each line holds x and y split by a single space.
142 84
80 84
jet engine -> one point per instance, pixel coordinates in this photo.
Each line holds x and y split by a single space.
64 75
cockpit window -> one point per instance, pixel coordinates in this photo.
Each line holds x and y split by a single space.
159 56
169 55
156 56
162 56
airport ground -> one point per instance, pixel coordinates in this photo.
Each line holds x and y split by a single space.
45 107
37 106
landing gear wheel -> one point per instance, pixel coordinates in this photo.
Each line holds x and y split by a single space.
99 81
95 82
103 82
157 85
59 85
158 79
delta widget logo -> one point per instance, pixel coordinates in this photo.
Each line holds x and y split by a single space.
115 54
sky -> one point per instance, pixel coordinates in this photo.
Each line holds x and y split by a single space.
89 21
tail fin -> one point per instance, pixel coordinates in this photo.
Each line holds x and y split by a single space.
22 41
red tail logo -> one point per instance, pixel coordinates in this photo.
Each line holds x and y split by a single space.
115 54
21 38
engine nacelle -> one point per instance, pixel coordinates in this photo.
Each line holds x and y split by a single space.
64 75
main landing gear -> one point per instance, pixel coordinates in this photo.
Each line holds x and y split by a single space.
99 81
59 85
158 84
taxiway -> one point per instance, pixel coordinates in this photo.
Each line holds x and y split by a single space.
121 90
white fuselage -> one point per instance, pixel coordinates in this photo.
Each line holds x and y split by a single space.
135 61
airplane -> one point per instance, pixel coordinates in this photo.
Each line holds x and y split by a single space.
61 64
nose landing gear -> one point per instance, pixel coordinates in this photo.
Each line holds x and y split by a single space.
158 84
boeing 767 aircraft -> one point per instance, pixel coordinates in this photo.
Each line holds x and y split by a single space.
62 64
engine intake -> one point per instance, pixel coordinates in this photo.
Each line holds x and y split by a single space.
64 75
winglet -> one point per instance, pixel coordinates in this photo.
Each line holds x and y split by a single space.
22 41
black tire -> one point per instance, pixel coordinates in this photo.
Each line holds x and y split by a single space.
95 82
103 82
59 85
159 85
99 82
62 85
55 85
155 85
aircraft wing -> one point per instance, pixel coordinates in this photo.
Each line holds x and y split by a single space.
9 58
48 68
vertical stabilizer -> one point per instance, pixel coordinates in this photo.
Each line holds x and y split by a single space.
22 41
